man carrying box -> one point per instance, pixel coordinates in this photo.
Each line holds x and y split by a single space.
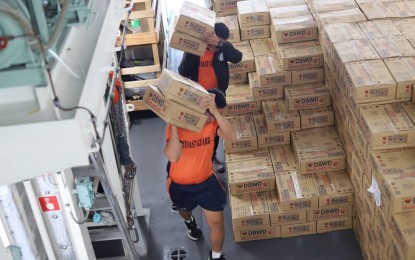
191 180
211 70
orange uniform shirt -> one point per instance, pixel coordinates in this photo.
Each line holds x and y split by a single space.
195 163
207 76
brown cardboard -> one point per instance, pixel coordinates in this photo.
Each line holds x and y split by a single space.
369 81
334 188
247 155
295 29
240 100
270 72
302 229
264 93
172 112
296 191
393 46
253 13
300 55
232 23
410 109
387 126
319 6
249 234
238 78
330 213
278 118
246 138
255 32
225 7
247 64
328 225
340 16
316 117
262 47
195 20
283 3
182 90
283 158
249 210
307 96
289 11
403 71
379 28
403 230
187 43
406 27
382 10
306 76
266 139
356 173
250 176
278 218
403 9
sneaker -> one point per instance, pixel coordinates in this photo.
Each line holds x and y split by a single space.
174 208
222 256
193 231
217 166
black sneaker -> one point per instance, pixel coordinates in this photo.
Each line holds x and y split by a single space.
222 257
193 231
174 208
217 166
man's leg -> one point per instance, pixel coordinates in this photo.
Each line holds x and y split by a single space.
215 220
193 231
186 215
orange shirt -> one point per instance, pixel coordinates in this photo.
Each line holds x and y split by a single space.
195 163
207 76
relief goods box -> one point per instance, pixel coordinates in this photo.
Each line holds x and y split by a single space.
249 210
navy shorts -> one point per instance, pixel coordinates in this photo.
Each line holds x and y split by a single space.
209 195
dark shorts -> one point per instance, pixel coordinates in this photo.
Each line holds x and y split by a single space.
209 195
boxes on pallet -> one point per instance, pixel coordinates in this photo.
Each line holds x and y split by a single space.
250 176
300 55
307 96
328 225
316 117
394 46
278 118
369 81
340 16
187 43
319 6
283 3
264 93
172 112
266 139
279 218
306 76
403 230
375 11
240 100
403 71
283 159
225 7
295 29
182 90
330 213
379 29
262 47
387 126
289 11
249 234
334 188
238 78
232 23
195 20
296 191
302 229
270 72
253 13
249 210
246 138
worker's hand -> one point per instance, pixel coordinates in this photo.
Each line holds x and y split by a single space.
210 104
210 39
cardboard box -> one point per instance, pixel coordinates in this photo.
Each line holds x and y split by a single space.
182 90
253 13
394 251
382 10
238 78
255 32
283 158
296 191
405 26
232 23
266 139
328 225
187 43
334 188
300 55
369 81
246 138
249 234
307 96
295 29
247 155
289 11
308 228
403 71
356 173
225 7
278 118
316 117
403 230
319 6
240 100
195 20
403 9
172 112
249 210
340 16
270 72
247 64
379 29
264 93
279 218
330 213
306 76
262 47
283 3
393 46
387 126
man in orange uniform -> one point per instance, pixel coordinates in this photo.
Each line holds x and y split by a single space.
191 181
211 70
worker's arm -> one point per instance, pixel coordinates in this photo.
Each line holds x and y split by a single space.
173 148
231 54
225 130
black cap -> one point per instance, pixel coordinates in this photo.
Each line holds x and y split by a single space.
222 31
220 99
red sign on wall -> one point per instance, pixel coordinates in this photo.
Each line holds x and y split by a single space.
49 203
